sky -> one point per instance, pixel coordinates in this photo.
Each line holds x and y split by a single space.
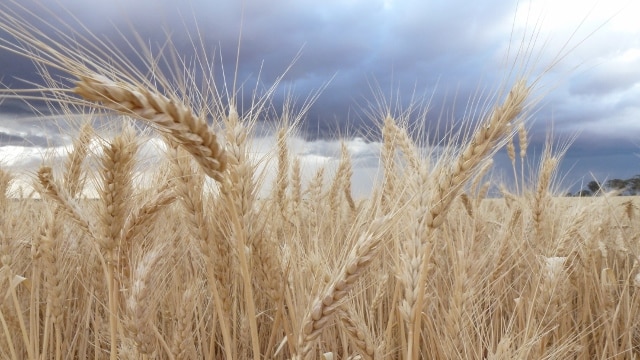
365 52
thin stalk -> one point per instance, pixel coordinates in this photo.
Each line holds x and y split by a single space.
34 311
7 335
246 279
113 311
25 335
164 344
226 336
47 326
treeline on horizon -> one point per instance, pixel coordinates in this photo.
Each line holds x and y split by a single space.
624 187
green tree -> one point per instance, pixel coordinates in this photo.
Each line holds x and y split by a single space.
633 185
594 187
617 184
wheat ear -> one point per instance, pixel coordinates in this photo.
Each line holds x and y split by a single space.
54 192
522 137
73 164
483 143
183 336
296 189
145 214
166 114
282 179
524 142
117 164
542 198
142 303
357 331
55 285
5 182
341 184
214 249
387 162
330 298
406 145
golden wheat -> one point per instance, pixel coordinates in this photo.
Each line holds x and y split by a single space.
105 265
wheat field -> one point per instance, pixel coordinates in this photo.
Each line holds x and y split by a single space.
201 262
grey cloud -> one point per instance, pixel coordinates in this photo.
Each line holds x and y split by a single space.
605 83
8 139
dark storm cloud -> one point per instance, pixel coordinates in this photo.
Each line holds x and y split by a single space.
14 106
416 41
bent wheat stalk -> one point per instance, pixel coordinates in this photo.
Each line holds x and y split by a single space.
165 114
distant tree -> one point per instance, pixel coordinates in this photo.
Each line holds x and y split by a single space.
583 193
594 187
633 185
617 185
